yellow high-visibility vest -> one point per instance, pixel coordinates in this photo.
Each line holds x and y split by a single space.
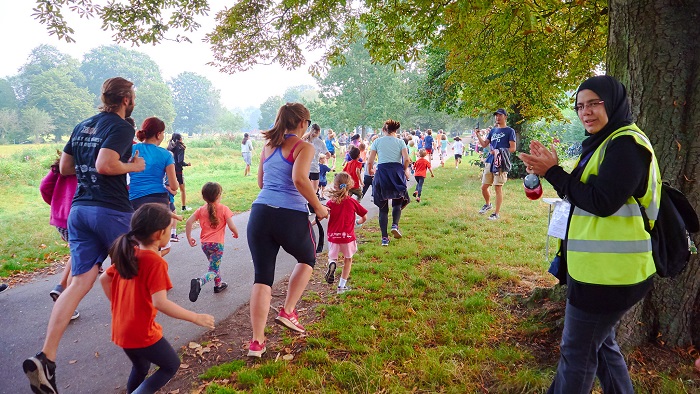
615 250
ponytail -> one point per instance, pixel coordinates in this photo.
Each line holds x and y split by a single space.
146 221
123 255
342 183
210 193
211 210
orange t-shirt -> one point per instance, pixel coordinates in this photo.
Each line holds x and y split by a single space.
421 167
133 314
213 233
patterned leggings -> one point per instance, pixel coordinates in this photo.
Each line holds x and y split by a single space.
213 251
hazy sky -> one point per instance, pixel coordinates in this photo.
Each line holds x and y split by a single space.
21 33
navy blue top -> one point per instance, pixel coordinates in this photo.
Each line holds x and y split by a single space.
500 137
103 131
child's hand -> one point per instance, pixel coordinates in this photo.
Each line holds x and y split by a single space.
432 175
204 320
235 234
192 241
176 216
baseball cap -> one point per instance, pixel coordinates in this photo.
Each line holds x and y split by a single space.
501 111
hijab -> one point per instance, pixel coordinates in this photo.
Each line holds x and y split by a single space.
616 103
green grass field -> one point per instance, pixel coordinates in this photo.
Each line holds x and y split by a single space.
28 242
433 312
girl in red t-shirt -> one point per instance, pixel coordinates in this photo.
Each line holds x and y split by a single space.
213 218
341 227
136 285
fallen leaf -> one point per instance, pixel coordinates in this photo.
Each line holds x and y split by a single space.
194 345
184 366
72 361
288 357
97 354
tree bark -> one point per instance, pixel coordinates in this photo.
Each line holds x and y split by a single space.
654 50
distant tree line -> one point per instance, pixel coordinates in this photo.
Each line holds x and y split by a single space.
53 91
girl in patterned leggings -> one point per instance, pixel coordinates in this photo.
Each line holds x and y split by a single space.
213 219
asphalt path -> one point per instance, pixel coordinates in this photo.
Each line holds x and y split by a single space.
87 361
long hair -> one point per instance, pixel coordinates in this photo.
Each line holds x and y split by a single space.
146 221
210 193
245 138
392 125
150 128
114 90
342 183
288 118
175 140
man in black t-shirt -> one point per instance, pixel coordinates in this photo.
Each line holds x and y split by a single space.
99 154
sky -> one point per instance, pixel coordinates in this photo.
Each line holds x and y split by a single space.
21 33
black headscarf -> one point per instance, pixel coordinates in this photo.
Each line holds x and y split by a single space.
617 106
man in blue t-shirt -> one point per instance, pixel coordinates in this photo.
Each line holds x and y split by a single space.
500 141
99 154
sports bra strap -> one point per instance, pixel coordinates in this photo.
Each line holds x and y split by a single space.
290 157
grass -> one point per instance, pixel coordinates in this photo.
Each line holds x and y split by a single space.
28 242
431 312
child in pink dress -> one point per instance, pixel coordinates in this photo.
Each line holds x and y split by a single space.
341 228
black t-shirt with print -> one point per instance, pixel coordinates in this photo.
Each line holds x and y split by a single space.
102 131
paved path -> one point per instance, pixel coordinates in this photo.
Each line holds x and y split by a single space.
88 362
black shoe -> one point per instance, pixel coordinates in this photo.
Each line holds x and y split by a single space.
330 274
218 289
3 287
41 373
195 288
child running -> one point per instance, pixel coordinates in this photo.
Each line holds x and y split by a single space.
422 166
354 168
213 219
322 180
58 191
136 285
458 149
341 228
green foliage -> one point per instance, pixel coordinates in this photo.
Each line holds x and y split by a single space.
268 112
36 124
8 100
55 92
229 121
44 58
9 125
196 103
135 22
153 97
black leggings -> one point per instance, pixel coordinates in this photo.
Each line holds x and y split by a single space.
384 215
161 354
368 182
268 229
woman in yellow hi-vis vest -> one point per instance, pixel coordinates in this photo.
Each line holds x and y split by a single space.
605 258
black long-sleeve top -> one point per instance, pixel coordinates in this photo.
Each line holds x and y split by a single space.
623 173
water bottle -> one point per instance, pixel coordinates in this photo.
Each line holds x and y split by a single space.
533 187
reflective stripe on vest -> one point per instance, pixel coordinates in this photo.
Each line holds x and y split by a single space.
614 250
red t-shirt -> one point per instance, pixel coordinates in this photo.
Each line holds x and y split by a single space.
421 167
133 314
209 232
341 223
351 168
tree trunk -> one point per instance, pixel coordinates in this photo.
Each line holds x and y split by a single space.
654 49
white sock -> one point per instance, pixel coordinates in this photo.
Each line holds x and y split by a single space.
342 282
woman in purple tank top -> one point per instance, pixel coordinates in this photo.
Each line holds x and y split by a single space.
279 218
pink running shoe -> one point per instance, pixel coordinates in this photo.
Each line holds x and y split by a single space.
256 349
289 320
